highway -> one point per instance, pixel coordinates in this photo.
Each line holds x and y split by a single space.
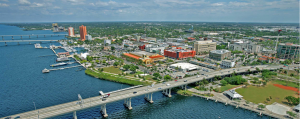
117 96
34 35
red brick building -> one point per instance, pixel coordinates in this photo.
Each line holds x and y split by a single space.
179 53
142 47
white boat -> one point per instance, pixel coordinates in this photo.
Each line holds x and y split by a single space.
45 71
58 64
62 59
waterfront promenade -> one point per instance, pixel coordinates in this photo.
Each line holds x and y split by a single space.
126 95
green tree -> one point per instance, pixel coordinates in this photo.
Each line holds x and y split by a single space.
133 69
156 75
167 77
223 82
112 48
261 106
291 74
126 67
116 64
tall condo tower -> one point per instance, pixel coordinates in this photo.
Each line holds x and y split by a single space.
83 33
71 31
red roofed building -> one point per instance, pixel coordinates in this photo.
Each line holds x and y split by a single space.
269 59
191 38
63 54
179 53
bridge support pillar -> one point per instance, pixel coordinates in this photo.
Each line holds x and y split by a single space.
12 37
5 44
170 93
184 87
21 37
44 35
40 42
74 115
37 36
2 38
149 98
127 103
18 43
29 36
103 110
51 35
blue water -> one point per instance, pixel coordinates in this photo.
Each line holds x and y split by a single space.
23 83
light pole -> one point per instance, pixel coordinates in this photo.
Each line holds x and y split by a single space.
35 109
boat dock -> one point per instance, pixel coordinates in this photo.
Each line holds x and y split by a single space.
65 68
54 51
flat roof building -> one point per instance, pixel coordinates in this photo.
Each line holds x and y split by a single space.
219 54
146 57
185 66
204 46
288 51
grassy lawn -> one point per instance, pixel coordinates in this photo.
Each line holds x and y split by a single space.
136 73
260 94
112 69
291 84
119 79
227 87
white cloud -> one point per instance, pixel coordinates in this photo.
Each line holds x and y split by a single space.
24 2
3 5
239 4
75 2
36 5
217 4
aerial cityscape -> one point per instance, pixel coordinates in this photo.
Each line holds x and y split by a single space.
92 59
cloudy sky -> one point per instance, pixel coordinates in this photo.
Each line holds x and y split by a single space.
282 11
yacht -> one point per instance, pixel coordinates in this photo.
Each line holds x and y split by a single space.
45 71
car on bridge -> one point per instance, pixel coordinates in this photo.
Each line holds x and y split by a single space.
134 92
185 81
168 85
18 117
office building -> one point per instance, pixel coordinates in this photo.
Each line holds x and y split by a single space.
219 54
107 42
83 33
246 47
71 31
88 37
288 51
204 46
227 63
179 53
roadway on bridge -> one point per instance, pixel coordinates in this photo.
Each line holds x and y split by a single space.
26 40
95 101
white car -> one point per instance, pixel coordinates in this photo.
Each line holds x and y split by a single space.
168 85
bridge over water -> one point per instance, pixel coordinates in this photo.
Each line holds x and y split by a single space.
32 35
126 95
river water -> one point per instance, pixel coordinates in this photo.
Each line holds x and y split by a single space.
23 85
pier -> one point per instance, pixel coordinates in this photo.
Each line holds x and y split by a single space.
126 95
64 68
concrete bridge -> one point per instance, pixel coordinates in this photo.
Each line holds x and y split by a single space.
17 41
32 35
126 95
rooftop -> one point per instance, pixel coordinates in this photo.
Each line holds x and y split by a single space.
219 51
141 53
188 66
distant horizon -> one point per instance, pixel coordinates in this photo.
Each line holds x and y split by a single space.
152 21
252 11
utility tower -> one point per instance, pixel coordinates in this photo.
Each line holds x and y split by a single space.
277 40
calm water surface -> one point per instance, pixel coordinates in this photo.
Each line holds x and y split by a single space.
23 83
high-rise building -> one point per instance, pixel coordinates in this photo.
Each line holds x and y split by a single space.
83 33
55 27
204 46
288 51
88 37
71 31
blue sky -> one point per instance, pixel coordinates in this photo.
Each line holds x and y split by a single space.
270 11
